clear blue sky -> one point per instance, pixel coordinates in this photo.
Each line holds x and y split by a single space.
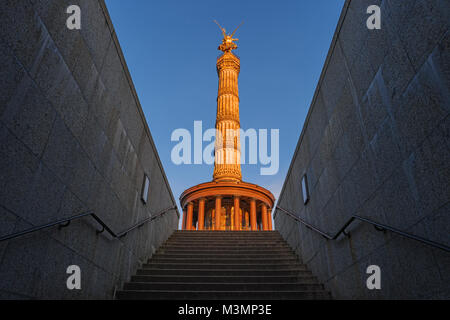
171 50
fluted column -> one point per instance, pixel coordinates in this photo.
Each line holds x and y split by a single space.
253 214
227 166
237 222
228 215
183 223
265 224
240 220
201 214
269 216
190 213
218 211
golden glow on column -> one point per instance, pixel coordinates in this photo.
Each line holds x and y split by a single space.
218 211
269 216
190 213
227 202
253 214
237 211
183 225
265 223
201 213
227 165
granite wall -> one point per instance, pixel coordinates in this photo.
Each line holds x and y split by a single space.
73 138
376 143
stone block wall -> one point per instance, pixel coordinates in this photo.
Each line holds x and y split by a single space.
73 138
376 143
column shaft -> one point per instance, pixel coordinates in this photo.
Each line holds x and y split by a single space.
269 216
190 213
183 223
240 221
253 214
218 212
201 214
237 221
265 224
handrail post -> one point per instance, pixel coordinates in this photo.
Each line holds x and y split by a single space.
60 226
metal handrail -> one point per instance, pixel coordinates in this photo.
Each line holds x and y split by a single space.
378 226
66 221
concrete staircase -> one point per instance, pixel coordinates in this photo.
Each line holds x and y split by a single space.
224 265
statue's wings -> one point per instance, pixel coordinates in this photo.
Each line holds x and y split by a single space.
224 32
237 28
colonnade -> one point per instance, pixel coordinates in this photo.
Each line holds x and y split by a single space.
227 213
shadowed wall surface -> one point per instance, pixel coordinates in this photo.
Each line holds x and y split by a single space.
72 138
376 143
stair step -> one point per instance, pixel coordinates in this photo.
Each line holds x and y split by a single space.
212 260
222 252
225 246
226 243
227 236
212 286
295 271
225 279
157 265
215 295
168 255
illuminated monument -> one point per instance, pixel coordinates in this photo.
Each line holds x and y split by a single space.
227 203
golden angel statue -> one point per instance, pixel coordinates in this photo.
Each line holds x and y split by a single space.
227 41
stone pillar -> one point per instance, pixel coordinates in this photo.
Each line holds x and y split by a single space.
237 221
240 220
201 214
265 224
190 213
183 224
228 216
246 219
227 156
218 211
253 214
269 217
